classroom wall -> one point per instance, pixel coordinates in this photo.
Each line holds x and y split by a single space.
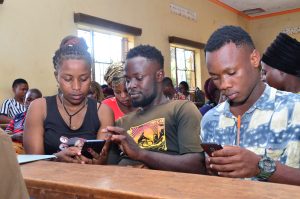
264 31
31 31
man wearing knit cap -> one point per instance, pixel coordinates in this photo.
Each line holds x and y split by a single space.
281 64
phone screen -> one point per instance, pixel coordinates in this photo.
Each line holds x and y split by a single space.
209 148
96 145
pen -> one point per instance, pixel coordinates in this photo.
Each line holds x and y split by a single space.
238 130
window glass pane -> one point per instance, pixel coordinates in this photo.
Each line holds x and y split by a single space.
105 49
86 35
108 48
100 70
181 76
189 60
180 59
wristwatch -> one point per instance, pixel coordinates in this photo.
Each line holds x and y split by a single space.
267 167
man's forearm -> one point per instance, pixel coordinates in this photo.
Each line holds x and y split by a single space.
285 175
188 163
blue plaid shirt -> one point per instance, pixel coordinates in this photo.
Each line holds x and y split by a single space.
272 123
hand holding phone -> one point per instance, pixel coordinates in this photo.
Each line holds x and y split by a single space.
209 148
96 145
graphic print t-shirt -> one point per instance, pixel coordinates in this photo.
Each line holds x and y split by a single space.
151 135
171 128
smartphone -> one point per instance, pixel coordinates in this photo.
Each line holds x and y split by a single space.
209 148
96 145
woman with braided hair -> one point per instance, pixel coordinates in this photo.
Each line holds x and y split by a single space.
96 92
57 124
121 103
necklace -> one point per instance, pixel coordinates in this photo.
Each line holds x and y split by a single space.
71 115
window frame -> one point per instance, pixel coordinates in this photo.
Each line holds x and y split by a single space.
176 64
92 30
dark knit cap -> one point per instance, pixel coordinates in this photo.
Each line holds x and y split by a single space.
284 54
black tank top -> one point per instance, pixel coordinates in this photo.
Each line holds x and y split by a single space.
57 132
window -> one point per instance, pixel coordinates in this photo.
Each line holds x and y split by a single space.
105 49
183 66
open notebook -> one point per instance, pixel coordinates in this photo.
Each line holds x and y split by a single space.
31 158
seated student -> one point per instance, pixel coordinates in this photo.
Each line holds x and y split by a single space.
267 143
96 92
168 88
184 94
121 103
184 89
107 91
212 93
11 107
199 97
53 122
282 72
15 127
162 134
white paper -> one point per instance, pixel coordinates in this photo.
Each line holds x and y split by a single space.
30 158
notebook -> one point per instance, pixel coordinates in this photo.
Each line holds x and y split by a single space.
31 158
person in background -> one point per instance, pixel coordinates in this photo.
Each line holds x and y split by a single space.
168 88
11 107
212 93
96 91
15 127
162 134
185 90
257 125
107 91
281 64
121 103
199 97
54 123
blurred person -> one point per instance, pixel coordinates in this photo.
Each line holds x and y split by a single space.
281 64
212 93
96 91
11 107
185 90
15 127
107 91
168 88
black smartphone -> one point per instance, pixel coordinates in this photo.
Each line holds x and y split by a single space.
96 145
209 148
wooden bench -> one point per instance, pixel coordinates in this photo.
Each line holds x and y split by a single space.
46 179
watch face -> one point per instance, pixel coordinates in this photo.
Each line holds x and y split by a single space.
267 165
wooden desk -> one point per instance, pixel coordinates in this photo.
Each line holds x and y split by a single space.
62 180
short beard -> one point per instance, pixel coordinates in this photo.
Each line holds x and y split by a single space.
147 100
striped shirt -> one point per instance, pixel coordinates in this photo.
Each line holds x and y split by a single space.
11 108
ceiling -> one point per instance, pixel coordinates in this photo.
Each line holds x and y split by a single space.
270 7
